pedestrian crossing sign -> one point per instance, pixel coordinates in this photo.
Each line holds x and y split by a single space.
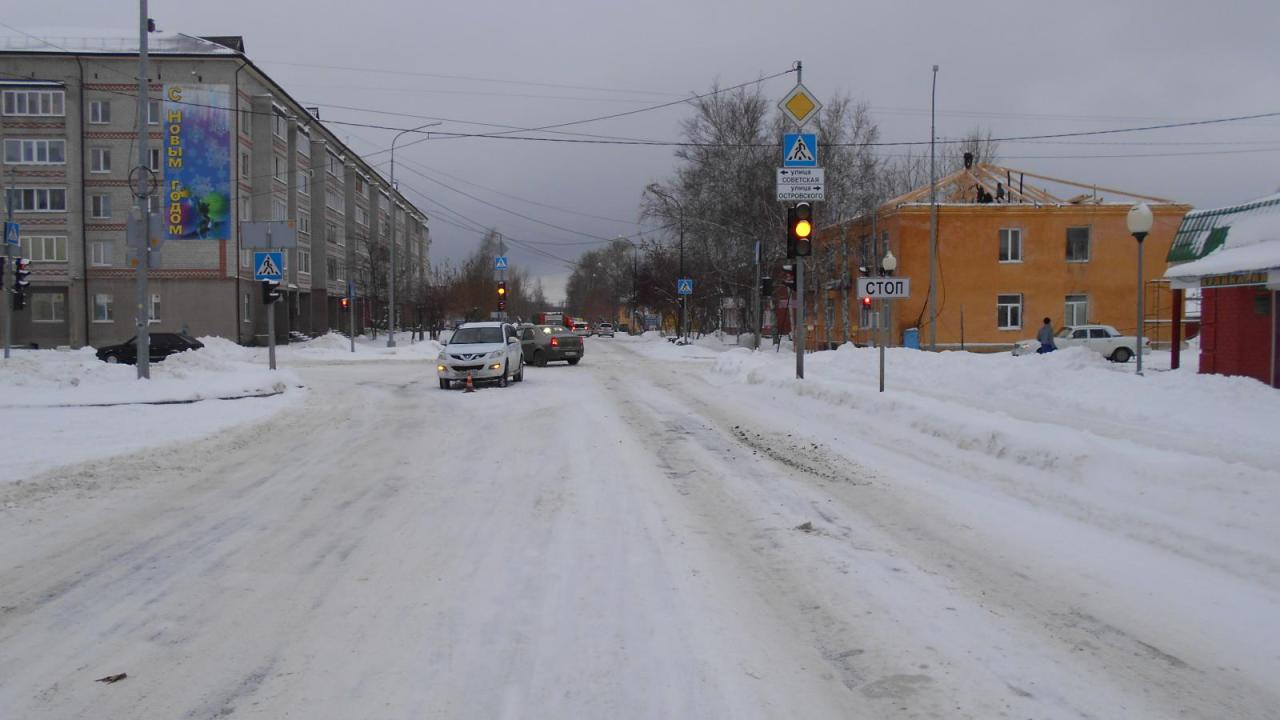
684 286
800 150
268 266
500 263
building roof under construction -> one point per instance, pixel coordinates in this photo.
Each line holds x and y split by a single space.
984 183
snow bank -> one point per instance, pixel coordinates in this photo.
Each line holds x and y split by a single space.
334 347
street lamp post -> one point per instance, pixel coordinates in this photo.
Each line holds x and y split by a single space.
391 212
887 265
684 300
1139 221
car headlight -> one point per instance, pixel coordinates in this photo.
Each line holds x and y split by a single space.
495 353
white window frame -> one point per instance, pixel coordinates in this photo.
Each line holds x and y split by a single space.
1006 309
155 159
278 171
304 222
51 248
103 308
28 151
40 196
362 216
99 112
1076 310
244 165
1088 244
1010 245
55 303
279 210
304 182
153 309
46 103
100 207
101 252
154 112
304 262
246 314
304 144
100 160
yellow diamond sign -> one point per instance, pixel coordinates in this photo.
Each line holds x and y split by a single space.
800 105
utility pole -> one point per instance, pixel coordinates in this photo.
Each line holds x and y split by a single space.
4 272
798 333
933 220
143 244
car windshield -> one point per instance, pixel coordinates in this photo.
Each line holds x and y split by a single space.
476 335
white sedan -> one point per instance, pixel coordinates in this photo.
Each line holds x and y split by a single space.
1103 339
483 351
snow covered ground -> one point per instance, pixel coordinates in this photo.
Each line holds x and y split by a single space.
660 531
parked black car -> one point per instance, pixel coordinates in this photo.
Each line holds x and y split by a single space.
162 346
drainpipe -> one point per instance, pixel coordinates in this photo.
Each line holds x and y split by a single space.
84 203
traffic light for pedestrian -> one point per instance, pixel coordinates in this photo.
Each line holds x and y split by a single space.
271 292
502 295
789 276
21 270
345 303
800 230
866 301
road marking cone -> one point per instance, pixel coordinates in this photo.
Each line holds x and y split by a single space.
470 386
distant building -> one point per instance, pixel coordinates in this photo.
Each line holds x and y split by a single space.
1009 254
1231 255
227 146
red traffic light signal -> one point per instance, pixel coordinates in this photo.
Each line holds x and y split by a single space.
866 301
345 303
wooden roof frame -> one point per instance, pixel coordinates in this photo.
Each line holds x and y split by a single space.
961 187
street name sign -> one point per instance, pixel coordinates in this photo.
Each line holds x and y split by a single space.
268 266
884 288
268 234
800 150
801 184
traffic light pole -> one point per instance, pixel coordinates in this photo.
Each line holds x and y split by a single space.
271 317
798 333
4 276
142 314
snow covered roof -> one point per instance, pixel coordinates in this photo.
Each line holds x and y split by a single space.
107 42
1238 238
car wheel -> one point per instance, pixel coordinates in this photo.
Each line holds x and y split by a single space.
574 361
111 359
502 381
520 371
540 359
445 384
1121 355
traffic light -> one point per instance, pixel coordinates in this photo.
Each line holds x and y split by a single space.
866 301
766 287
345 303
789 276
800 230
21 269
502 295
271 292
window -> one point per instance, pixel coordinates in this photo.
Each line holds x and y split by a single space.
1078 244
100 253
244 165
1009 312
304 145
153 159
279 210
34 102
359 186
101 160
244 120
100 112
1010 245
1077 310
45 248
246 312
48 307
39 199
278 125
362 216
100 206
331 233
304 222
335 201
35 152
331 265
304 182
153 112
246 207
304 261
102 308
333 166
279 168
153 309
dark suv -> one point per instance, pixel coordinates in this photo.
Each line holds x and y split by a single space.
162 346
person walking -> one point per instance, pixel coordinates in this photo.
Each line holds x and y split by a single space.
1045 336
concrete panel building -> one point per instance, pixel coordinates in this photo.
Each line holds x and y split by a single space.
227 146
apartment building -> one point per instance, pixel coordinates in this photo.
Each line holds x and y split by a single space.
227 145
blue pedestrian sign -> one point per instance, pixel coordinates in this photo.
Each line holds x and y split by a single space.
11 234
500 263
684 286
800 150
268 266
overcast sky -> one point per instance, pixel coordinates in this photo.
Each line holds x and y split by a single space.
1015 68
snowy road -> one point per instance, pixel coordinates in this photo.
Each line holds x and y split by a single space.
621 539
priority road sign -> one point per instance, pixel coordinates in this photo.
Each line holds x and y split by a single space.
800 105
884 288
11 234
268 266
800 150
684 286
500 263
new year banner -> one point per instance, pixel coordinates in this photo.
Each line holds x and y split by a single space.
197 162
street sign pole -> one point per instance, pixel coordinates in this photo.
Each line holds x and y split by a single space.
799 334
271 318
4 277
142 313
351 311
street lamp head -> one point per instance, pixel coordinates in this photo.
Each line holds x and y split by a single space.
889 263
1139 219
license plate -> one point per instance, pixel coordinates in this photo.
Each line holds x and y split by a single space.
571 352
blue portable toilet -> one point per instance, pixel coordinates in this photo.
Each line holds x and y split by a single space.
911 338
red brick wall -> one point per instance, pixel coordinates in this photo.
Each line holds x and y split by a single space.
1236 332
